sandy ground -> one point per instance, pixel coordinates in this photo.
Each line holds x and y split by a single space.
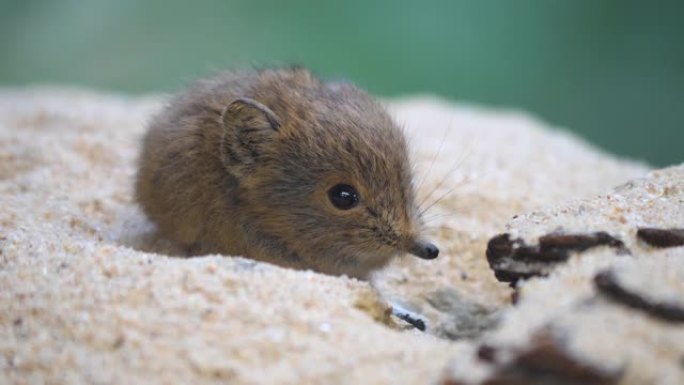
88 293
618 339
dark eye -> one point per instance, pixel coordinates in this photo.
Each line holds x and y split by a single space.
343 196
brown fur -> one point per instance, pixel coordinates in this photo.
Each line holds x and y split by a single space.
241 164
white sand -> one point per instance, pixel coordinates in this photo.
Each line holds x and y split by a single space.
599 331
87 294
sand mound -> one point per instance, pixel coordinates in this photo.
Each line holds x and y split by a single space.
612 307
88 293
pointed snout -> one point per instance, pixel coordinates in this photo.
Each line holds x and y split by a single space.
424 250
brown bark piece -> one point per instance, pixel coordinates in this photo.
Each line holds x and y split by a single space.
559 243
661 237
513 259
545 361
547 358
609 285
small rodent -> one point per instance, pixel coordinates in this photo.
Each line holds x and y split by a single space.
279 166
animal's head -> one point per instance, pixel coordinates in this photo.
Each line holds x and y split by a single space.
325 172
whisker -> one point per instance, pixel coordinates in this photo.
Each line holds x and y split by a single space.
439 216
461 183
451 190
428 228
454 167
411 138
434 158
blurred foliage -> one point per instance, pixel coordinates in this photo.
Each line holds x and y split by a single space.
613 71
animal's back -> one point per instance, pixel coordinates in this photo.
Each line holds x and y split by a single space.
181 176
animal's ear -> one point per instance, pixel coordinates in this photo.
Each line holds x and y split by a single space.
248 127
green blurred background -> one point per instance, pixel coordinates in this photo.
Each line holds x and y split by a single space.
612 71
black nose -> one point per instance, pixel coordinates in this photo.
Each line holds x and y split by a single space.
425 250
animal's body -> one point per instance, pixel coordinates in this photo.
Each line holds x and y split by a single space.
278 166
